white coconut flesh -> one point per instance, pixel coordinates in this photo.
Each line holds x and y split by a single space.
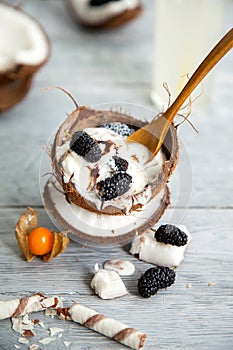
22 40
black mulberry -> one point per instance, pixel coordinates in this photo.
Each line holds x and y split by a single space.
114 186
120 163
171 234
100 2
119 128
154 279
84 145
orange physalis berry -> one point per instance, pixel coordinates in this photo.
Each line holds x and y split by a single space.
40 241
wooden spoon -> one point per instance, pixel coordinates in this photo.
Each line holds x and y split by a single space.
153 134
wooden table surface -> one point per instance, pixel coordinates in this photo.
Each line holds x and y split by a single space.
106 66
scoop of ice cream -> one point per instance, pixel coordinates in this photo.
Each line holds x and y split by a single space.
86 176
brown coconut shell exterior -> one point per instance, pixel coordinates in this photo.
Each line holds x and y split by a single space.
115 21
15 83
85 117
13 91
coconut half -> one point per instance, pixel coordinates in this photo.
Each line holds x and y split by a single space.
24 48
75 214
105 14
86 117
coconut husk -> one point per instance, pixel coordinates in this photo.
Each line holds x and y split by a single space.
115 21
86 117
25 225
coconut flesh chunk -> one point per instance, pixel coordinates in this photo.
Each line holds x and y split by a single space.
159 253
23 41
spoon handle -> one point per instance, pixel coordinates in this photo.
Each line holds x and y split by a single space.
215 55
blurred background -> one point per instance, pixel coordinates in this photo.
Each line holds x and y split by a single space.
117 65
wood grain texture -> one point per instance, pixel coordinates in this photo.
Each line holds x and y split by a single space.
116 65
180 317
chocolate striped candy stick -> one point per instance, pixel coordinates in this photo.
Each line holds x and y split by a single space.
23 306
107 326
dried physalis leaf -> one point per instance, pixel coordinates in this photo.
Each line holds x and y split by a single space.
60 243
27 222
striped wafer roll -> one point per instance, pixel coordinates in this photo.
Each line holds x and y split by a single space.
23 306
107 326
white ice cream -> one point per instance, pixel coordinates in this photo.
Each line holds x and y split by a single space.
159 253
141 168
95 15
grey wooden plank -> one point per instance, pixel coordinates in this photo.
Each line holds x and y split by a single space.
190 318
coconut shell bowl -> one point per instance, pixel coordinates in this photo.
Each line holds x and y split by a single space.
24 49
110 224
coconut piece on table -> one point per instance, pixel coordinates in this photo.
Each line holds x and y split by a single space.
22 340
47 340
67 343
33 347
55 330
159 253
107 284
23 325
122 267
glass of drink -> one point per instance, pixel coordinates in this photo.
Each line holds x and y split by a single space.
185 31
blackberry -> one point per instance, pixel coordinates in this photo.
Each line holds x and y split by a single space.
154 279
171 234
85 146
120 163
119 128
114 186
100 2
